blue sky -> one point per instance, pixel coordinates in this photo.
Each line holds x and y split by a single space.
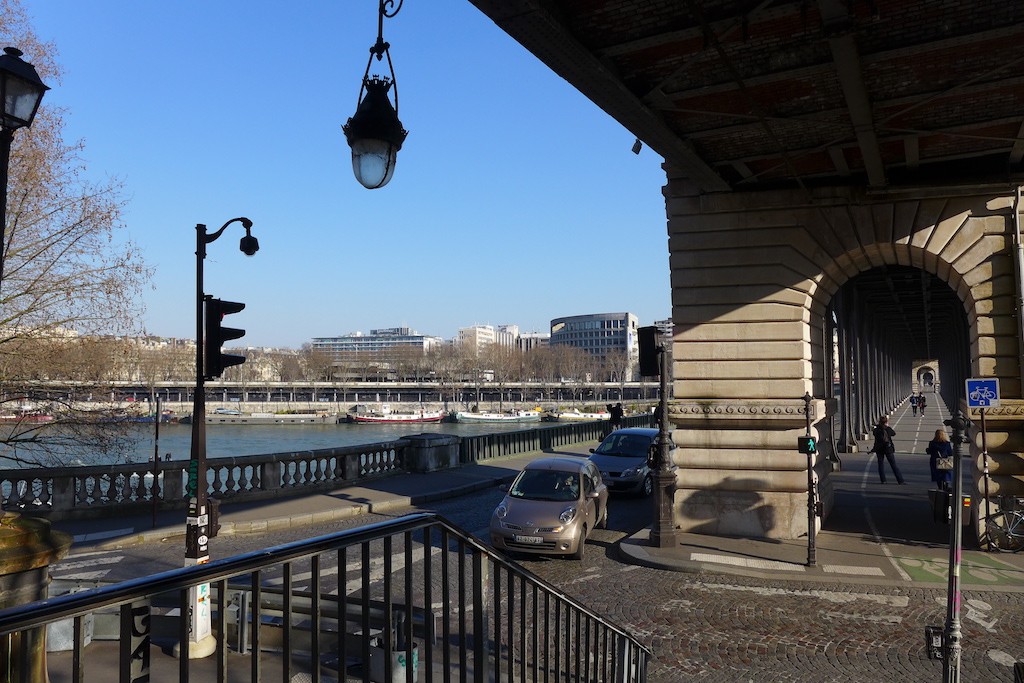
514 200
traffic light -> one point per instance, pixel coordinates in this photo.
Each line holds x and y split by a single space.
807 445
647 340
217 334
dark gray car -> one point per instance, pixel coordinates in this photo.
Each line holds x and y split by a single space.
622 459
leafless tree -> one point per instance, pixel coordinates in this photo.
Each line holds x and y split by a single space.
67 272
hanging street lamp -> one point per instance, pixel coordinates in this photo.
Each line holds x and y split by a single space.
21 91
374 132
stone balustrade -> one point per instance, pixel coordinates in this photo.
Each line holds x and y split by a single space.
108 490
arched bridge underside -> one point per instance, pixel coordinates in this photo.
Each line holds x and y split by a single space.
842 184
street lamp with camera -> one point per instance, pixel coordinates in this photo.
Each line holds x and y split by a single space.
210 363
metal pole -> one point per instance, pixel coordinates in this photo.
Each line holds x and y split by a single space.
154 488
984 460
196 537
6 138
663 533
951 639
811 507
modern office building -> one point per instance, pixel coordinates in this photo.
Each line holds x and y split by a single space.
597 333
528 341
376 340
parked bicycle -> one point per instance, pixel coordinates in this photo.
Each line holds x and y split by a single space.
1005 527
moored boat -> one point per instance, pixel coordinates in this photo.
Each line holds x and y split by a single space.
577 416
505 417
26 417
270 419
385 415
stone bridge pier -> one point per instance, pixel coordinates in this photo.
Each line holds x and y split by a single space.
769 288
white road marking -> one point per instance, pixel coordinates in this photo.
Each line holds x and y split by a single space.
848 569
376 570
84 576
874 528
92 562
98 535
841 597
746 562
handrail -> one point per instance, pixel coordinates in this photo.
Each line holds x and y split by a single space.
498 637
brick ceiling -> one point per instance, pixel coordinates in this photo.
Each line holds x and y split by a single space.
766 93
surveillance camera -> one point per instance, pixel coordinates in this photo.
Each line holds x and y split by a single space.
249 245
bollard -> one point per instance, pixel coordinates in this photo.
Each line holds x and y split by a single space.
27 548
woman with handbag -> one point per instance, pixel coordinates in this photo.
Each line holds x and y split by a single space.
940 453
884 449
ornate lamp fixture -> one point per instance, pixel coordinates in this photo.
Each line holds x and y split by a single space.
20 88
374 133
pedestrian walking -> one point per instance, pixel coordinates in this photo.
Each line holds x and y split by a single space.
940 460
616 415
921 403
913 403
884 448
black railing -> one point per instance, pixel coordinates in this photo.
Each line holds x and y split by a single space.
416 588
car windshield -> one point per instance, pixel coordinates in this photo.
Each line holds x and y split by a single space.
546 485
628 445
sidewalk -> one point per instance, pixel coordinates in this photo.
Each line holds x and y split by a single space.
876 534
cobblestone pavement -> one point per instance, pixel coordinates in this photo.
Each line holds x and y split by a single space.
728 628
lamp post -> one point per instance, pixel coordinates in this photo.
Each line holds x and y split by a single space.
812 507
197 531
952 634
374 132
663 531
21 91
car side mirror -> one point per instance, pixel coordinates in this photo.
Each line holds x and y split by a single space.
592 450
594 494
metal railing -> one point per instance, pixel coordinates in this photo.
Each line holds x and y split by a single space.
103 490
329 608
487 446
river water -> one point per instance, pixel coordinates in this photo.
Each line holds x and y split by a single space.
238 440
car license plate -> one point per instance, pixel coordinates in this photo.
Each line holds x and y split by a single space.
527 539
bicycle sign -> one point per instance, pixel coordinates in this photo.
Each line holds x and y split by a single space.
982 393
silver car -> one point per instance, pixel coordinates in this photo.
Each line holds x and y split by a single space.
551 508
623 460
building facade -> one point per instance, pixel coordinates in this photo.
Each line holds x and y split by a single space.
599 334
377 340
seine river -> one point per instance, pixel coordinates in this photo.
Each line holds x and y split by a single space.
237 440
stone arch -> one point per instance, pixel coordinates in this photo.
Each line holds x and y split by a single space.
752 278
926 376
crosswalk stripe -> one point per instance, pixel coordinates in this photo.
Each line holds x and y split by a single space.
91 562
848 569
746 562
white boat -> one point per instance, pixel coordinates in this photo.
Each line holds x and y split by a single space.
577 416
385 415
507 416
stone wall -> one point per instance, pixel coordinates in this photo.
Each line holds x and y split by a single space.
752 278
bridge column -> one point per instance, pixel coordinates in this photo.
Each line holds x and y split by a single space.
738 469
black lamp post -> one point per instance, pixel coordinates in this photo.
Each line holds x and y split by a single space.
21 91
201 524
663 531
952 633
374 133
